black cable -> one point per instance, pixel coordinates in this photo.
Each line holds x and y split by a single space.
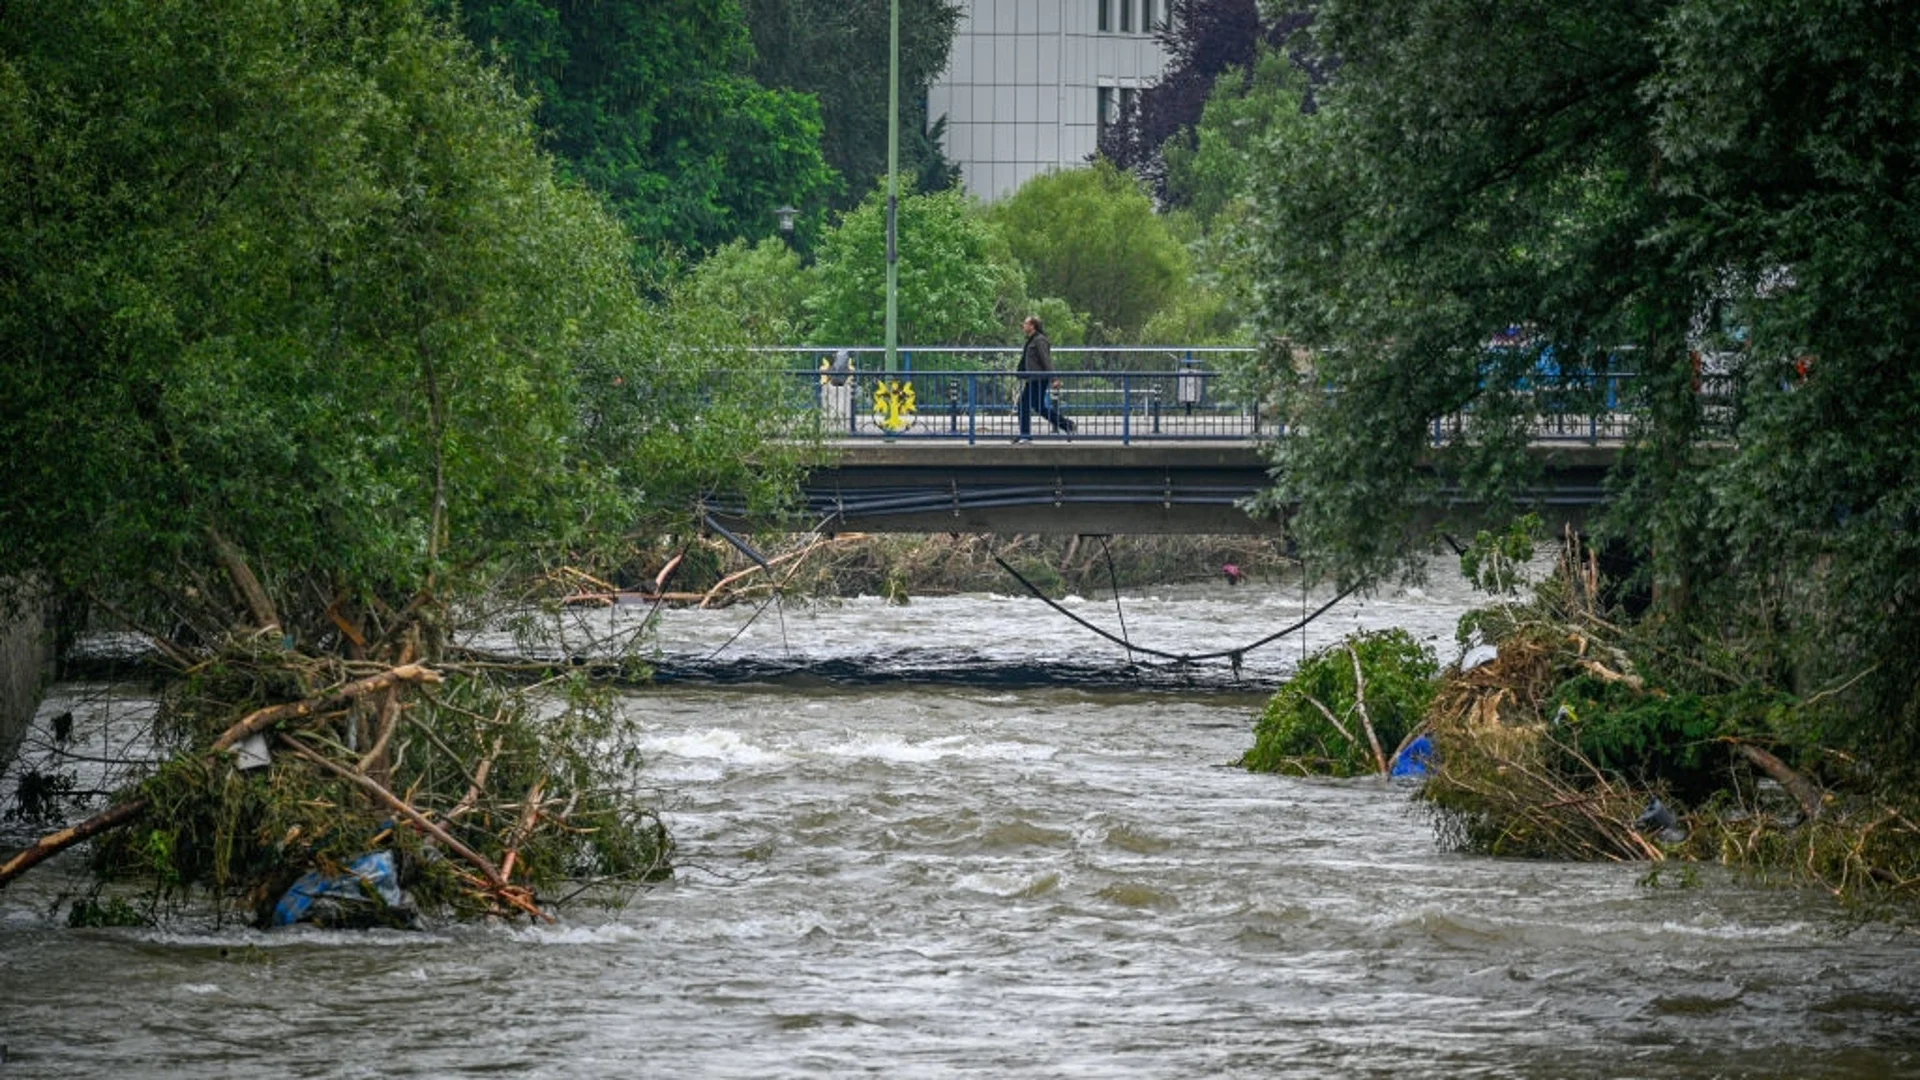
1114 577
785 643
1223 654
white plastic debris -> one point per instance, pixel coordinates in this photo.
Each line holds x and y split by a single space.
252 753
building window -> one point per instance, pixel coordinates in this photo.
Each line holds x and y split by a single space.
1127 97
1102 112
1126 16
1146 16
1106 13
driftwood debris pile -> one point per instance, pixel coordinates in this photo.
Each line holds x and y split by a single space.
484 793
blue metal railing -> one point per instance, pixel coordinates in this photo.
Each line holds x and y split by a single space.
1124 394
1128 394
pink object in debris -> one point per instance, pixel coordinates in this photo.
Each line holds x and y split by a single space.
1234 573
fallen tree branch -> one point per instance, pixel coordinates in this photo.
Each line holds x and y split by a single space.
497 884
261 719
476 786
244 581
1360 705
1331 719
707 600
173 652
54 843
529 814
1803 790
1605 674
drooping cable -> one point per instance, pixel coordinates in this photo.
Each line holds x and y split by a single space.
1113 576
778 588
1231 655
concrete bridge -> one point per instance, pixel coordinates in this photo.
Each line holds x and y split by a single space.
1091 487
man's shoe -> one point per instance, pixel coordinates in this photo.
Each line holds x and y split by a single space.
1019 439
1067 424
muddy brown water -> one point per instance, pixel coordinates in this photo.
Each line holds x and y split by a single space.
931 862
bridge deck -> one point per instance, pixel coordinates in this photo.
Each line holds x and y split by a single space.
1089 487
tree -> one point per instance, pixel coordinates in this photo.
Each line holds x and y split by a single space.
304 350
1208 169
650 104
1204 40
958 283
837 51
300 328
1614 181
762 286
1090 237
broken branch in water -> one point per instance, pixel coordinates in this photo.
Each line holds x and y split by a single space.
261 719
257 721
1360 706
497 884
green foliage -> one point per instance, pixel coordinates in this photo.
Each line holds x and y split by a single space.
1195 315
762 286
1668 740
1606 178
294 277
958 284
1209 172
1294 734
94 912
1493 562
244 837
650 105
1065 326
1090 236
837 51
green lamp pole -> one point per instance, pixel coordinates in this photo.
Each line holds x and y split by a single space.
893 188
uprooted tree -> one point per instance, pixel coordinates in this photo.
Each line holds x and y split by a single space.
306 351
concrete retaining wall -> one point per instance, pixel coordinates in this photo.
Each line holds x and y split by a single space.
26 654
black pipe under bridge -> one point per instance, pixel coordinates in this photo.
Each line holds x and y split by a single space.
1090 488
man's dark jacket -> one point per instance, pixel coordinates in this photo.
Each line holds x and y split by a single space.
1037 357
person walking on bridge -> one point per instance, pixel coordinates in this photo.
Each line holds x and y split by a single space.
1036 364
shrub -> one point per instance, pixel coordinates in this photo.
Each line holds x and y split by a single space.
1315 724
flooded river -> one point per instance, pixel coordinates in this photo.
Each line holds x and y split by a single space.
963 838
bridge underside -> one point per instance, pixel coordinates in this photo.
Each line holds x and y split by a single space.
1083 488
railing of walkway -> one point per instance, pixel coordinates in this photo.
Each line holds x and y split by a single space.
1125 394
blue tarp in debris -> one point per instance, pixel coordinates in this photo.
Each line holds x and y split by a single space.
371 883
1414 760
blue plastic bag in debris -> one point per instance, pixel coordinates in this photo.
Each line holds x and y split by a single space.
1414 760
371 881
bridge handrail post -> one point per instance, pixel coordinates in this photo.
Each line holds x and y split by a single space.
1126 408
973 405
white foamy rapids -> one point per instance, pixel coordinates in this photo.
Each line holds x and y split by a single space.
901 750
721 745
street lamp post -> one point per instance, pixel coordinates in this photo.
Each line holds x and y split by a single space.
893 188
786 215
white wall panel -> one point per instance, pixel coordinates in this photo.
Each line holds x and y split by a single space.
1047 15
1031 69
1018 91
1046 142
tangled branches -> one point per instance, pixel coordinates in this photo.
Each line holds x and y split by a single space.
1584 739
484 792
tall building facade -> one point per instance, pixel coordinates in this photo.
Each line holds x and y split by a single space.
1030 84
